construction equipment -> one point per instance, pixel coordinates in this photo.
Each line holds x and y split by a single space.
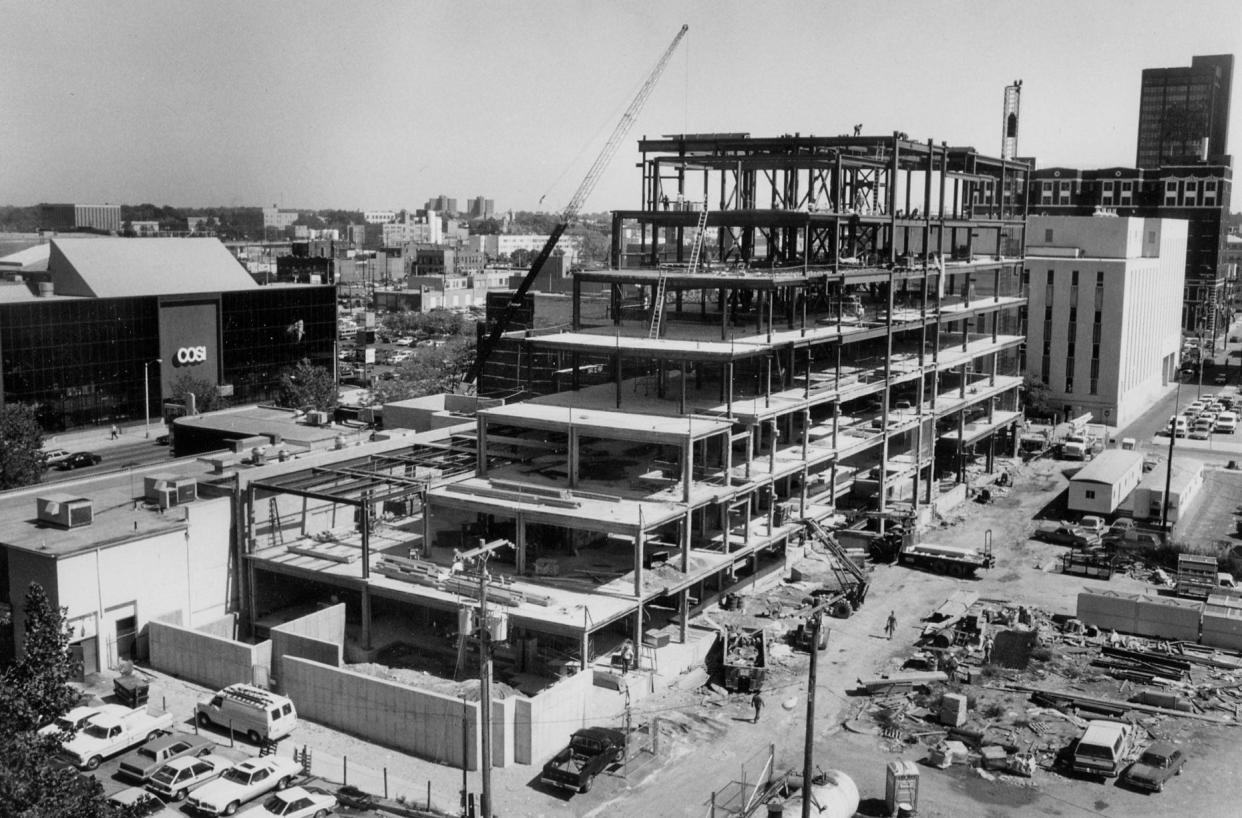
487 344
854 585
696 252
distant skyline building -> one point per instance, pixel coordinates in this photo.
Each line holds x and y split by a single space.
104 218
1184 112
442 204
481 208
278 218
379 216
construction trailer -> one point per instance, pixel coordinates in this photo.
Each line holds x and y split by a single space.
1102 485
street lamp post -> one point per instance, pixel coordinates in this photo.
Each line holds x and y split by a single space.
146 391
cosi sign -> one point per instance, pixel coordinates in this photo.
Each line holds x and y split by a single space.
191 355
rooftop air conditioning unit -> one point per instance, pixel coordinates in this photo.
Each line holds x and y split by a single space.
65 510
168 490
317 418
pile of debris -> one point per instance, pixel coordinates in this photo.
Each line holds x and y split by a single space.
1009 689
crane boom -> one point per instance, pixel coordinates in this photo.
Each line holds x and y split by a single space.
487 344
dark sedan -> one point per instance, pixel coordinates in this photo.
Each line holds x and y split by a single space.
1159 762
79 460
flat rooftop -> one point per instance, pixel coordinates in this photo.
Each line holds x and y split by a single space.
604 423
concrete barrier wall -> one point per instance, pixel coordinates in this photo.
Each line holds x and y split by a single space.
326 624
419 722
1221 631
285 645
225 626
205 658
1108 610
544 722
1161 617
1168 618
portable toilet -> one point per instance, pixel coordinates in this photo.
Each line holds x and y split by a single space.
901 789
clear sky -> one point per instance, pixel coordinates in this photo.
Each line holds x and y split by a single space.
373 105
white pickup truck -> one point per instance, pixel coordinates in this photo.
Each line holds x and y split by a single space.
108 734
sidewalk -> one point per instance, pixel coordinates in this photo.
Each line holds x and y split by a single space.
98 439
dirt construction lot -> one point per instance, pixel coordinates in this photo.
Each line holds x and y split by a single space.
708 742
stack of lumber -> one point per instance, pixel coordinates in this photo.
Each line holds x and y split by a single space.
418 572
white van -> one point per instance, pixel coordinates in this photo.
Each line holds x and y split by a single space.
1227 422
241 708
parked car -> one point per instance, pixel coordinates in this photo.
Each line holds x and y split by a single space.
295 802
591 750
1158 763
141 764
175 780
77 718
136 802
54 457
1070 535
1178 426
1226 422
245 782
1202 430
79 460
404 341
1092 524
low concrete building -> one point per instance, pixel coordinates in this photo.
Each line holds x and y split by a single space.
1102 485
1100 331
1184 485
95 547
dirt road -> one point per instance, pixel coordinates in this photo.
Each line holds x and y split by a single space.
714 753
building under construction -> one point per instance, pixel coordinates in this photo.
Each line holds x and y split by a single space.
840 327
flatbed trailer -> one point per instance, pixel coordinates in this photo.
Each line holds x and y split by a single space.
954 560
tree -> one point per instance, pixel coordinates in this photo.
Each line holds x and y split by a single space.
206 394
307 387
1038 397
432 371
34 690
21 447
39 680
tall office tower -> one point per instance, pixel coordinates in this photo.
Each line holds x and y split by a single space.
1184 112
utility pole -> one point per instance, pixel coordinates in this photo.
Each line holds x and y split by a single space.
485 693
808 749
465 748
1168 469
478 556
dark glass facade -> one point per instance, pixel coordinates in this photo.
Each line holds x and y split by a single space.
268 329
79 362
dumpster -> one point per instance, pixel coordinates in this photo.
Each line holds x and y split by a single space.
131 690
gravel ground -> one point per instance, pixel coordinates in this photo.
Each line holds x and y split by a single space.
708 742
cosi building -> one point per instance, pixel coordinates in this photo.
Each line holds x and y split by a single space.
80 342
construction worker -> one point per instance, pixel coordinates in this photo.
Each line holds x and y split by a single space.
627 656
756 701
891 625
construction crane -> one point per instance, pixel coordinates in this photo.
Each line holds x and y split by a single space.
488 344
